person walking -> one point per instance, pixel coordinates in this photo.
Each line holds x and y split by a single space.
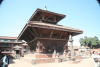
5 61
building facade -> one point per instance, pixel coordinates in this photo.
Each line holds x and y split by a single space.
11 46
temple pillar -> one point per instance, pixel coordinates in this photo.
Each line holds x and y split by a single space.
71 46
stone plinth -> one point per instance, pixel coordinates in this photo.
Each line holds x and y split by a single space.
54 55
76 58
37 61
65 54
57 60
39 56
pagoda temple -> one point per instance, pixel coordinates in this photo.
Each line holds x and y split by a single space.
44 35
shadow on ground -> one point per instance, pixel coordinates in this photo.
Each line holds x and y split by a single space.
11 60
85 57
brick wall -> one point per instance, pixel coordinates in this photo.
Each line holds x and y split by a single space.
38 61
39 56
29 56
45 61
78 57
44 56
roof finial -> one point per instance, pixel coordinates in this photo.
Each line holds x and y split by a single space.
45 8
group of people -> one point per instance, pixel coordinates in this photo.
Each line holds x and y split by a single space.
4 60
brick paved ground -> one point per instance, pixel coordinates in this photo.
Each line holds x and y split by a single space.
89 62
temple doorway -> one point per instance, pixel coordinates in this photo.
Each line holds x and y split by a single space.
60 49
49 50
17 50
17 54
54 47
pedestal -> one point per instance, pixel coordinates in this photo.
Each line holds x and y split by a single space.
57 60
64 54
54 55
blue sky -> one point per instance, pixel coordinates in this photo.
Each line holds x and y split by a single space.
80 14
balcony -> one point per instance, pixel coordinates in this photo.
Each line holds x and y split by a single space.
5 45
6 52
9 41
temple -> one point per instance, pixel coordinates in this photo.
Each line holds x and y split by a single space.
44 36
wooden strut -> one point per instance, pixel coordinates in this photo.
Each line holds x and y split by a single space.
39 17
35 31
28 35
26 38
31 32
61 34
52 31
68 36
41 32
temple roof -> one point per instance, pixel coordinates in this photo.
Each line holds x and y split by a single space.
43 24
53 25
50 26
17 47
39 13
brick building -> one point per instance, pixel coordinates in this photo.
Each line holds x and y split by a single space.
11 46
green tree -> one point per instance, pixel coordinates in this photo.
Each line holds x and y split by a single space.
90 41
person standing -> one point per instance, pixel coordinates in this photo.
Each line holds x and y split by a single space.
5 61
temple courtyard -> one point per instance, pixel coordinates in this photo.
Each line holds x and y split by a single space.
86 62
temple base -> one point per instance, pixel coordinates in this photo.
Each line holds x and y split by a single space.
40 58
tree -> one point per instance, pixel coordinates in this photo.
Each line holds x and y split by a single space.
82 41
1 1
98 1
91 42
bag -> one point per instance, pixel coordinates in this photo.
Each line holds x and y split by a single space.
1 62
96 60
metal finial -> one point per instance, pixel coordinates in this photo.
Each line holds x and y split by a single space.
45 8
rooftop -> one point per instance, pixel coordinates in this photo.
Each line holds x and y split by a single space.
39 14
7 37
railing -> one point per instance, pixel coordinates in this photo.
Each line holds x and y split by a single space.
5 46
6 52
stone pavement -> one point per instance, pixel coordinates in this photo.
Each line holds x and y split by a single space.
87 62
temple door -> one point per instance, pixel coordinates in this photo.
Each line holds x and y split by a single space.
17 54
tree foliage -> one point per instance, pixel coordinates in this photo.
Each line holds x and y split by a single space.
92 41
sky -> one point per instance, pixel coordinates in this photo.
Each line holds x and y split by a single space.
80 14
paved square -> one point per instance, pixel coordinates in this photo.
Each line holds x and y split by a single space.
88 62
